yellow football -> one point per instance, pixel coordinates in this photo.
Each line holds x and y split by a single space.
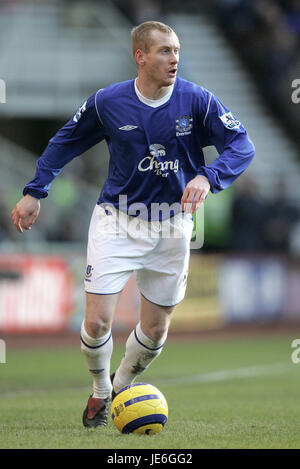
139 408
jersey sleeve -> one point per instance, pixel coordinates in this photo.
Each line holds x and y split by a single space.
236 150
81 132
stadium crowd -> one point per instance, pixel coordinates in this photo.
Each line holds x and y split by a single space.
267 35
262 225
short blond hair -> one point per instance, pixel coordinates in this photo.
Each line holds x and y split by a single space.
141 35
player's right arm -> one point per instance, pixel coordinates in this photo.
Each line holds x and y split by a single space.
79 134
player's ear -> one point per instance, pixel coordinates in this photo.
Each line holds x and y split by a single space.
139 57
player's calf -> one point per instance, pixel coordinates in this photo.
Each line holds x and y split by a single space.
97 352
139 354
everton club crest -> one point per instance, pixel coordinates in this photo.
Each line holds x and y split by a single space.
88 272
184 125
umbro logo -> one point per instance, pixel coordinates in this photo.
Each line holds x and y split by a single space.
128 127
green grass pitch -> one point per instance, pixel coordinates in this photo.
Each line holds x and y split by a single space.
237 393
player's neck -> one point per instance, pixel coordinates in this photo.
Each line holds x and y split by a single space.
151 90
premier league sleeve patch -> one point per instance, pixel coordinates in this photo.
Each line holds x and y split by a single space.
229 121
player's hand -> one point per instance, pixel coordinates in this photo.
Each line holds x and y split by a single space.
25 213
194 194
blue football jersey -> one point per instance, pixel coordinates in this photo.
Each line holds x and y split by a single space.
154 152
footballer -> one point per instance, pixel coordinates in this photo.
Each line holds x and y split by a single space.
155 126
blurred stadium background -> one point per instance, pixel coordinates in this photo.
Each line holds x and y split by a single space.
53 55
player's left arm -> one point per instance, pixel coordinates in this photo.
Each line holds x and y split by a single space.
195 193
236 150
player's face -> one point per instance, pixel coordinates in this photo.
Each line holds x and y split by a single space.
161 61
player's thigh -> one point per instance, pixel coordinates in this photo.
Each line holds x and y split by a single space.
155 319
163 278
99 313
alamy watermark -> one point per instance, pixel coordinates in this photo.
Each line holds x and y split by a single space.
2 351
160 220
295 357
2 91
296 93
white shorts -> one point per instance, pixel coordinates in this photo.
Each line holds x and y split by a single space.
158 252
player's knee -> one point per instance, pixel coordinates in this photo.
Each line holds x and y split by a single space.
97 327
157 332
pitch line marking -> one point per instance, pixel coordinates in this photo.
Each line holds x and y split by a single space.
210 377
225 375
